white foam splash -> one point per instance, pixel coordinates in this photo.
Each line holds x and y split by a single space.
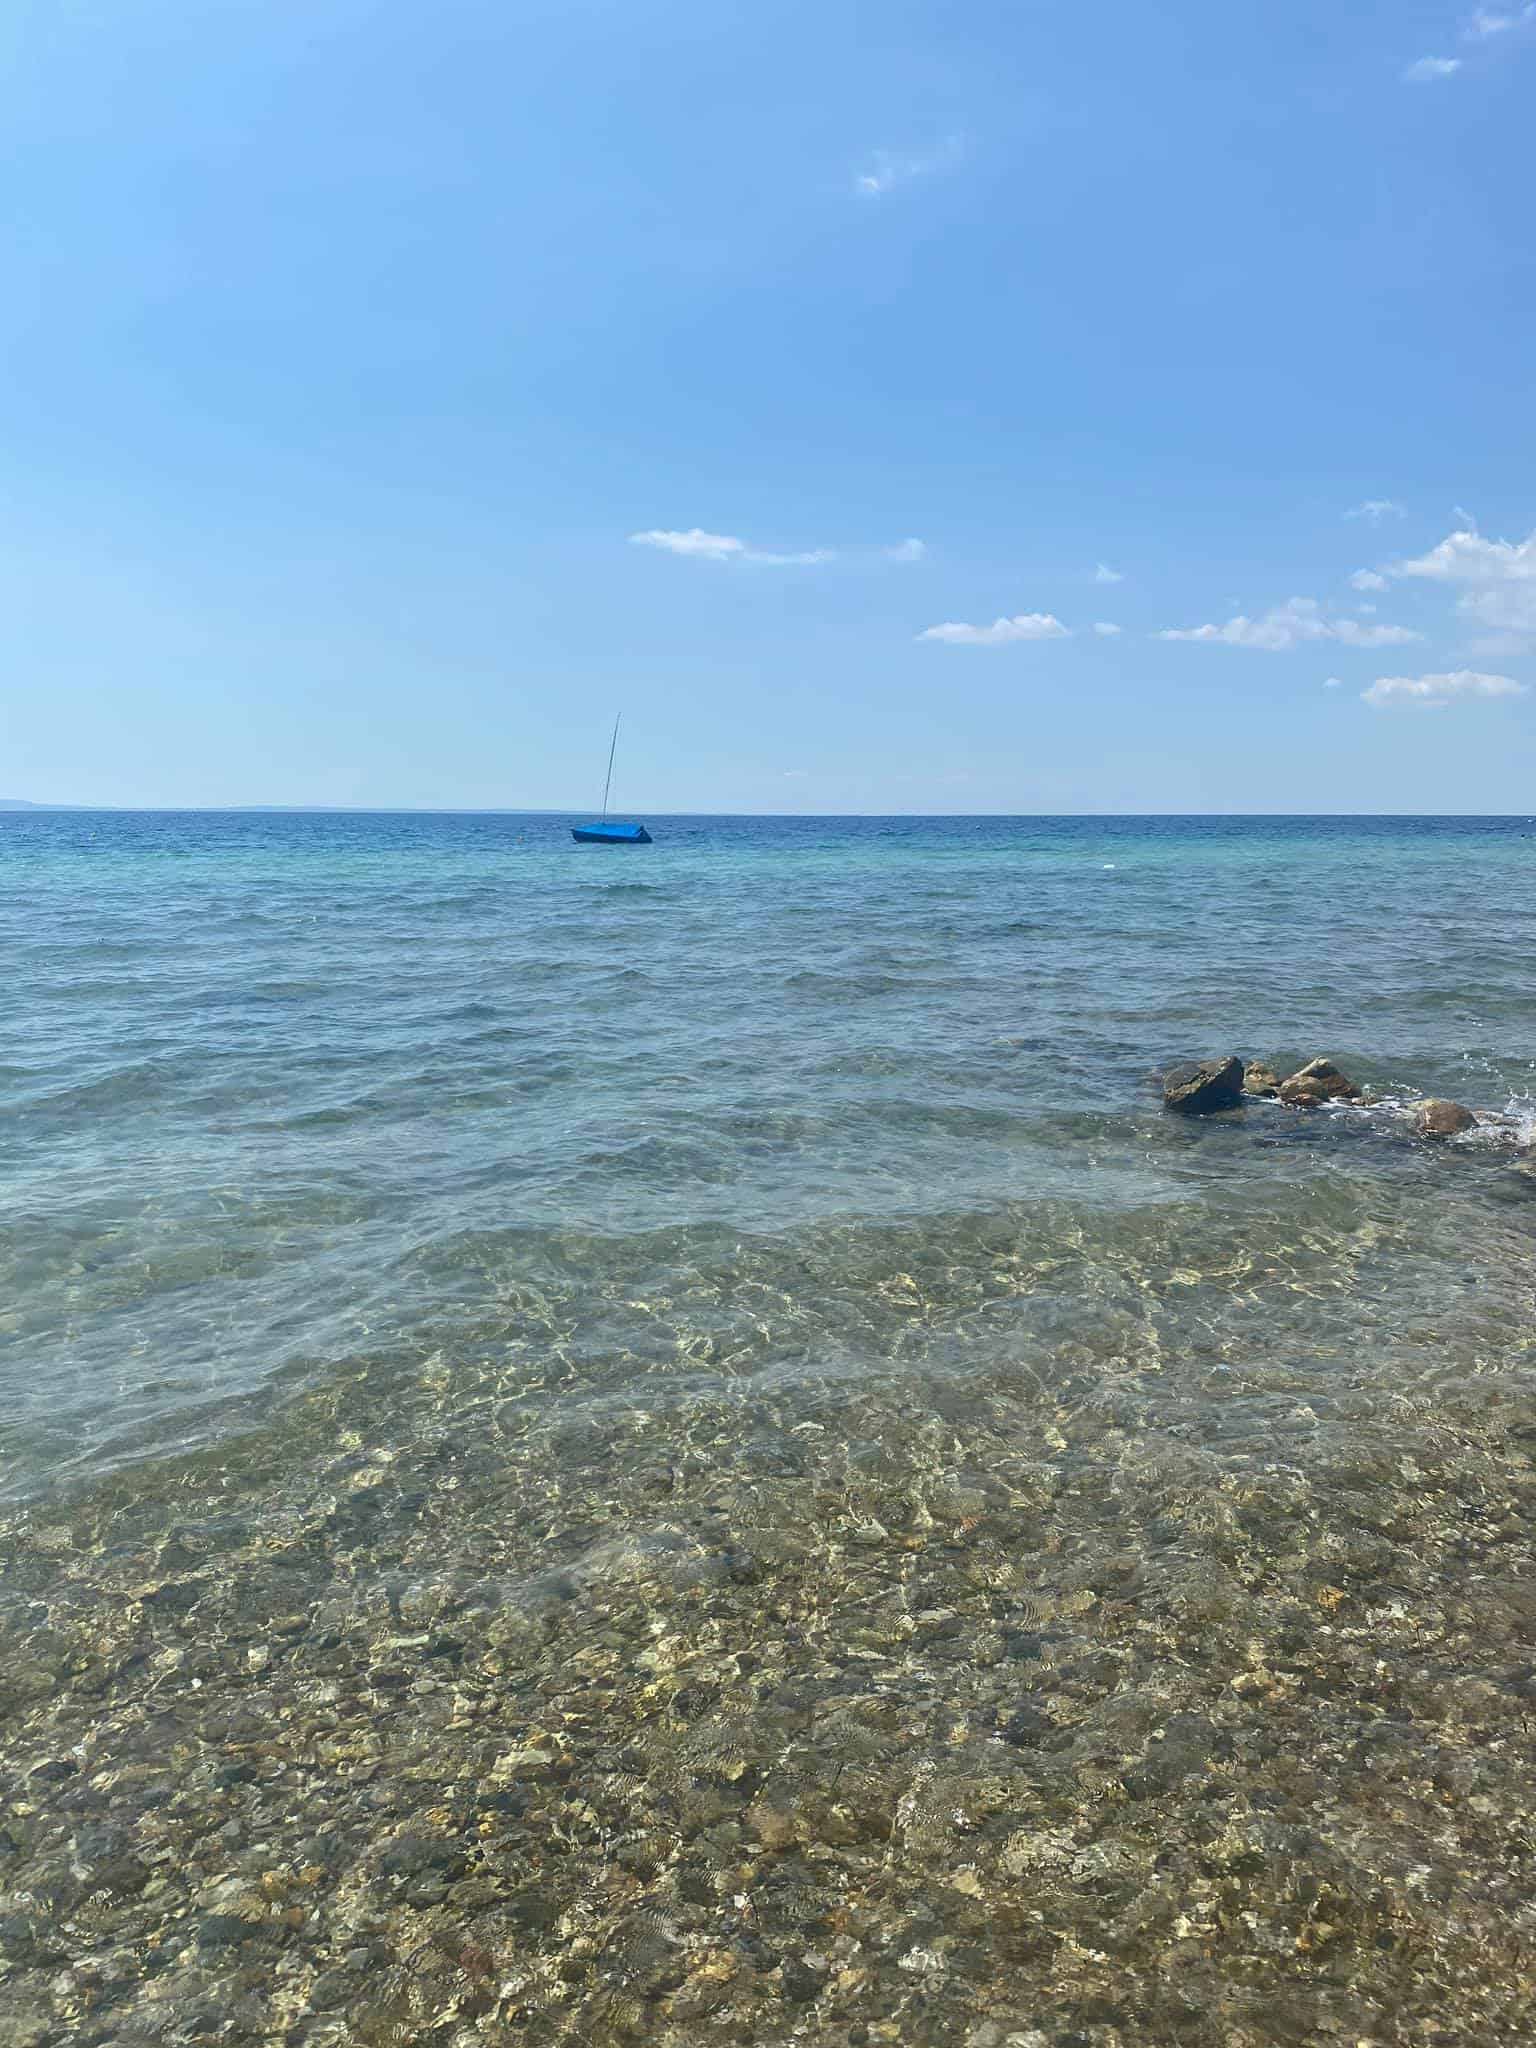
1510 1129
1521 1112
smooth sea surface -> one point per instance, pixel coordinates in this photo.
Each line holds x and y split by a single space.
281 1091
669 1444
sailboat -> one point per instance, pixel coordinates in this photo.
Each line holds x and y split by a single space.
609 831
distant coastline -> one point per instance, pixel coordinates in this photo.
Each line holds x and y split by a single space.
16 803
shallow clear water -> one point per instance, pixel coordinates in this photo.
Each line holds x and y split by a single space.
283 1091
668 1444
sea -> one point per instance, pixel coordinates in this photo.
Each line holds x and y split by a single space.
783 1163
281 1090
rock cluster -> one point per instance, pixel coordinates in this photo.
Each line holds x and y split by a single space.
1208 1085
1205 1086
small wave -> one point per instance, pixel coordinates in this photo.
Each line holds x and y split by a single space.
476 1011
259 995
812 981
139 1083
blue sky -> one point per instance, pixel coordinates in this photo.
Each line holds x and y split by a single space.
392 392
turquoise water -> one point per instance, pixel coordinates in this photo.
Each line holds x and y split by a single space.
285 1091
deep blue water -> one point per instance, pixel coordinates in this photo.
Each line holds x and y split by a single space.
284 1091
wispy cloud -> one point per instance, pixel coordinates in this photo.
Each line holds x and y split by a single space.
1299 620
1484 23
1377 509
887 169
1431 692
694 544
1106 631
1427 69
1025 626
1367 579
1104 574
1333 682
700 546
1497 582
704 547
1354 633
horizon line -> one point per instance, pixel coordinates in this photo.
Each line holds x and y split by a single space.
20 807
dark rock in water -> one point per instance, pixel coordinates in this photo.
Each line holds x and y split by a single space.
55 1768
233 1916
1025 1727
801 1982
1318 1081
1207 1085
334 1988
1259 1078
1436 1118
420 1854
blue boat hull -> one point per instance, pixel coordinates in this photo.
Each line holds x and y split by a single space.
610 835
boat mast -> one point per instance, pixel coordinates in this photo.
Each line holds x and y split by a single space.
611 745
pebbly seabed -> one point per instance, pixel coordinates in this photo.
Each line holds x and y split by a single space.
1020 1714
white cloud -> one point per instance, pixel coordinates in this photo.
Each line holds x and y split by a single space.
1430 692
1333 682
1377 509
1106 631
1025 626
1354 633
1429 68
707 547
1465 557
1367 579
723 547
1484 24
886 169
1497 579
697 545
1104 574
1300 619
